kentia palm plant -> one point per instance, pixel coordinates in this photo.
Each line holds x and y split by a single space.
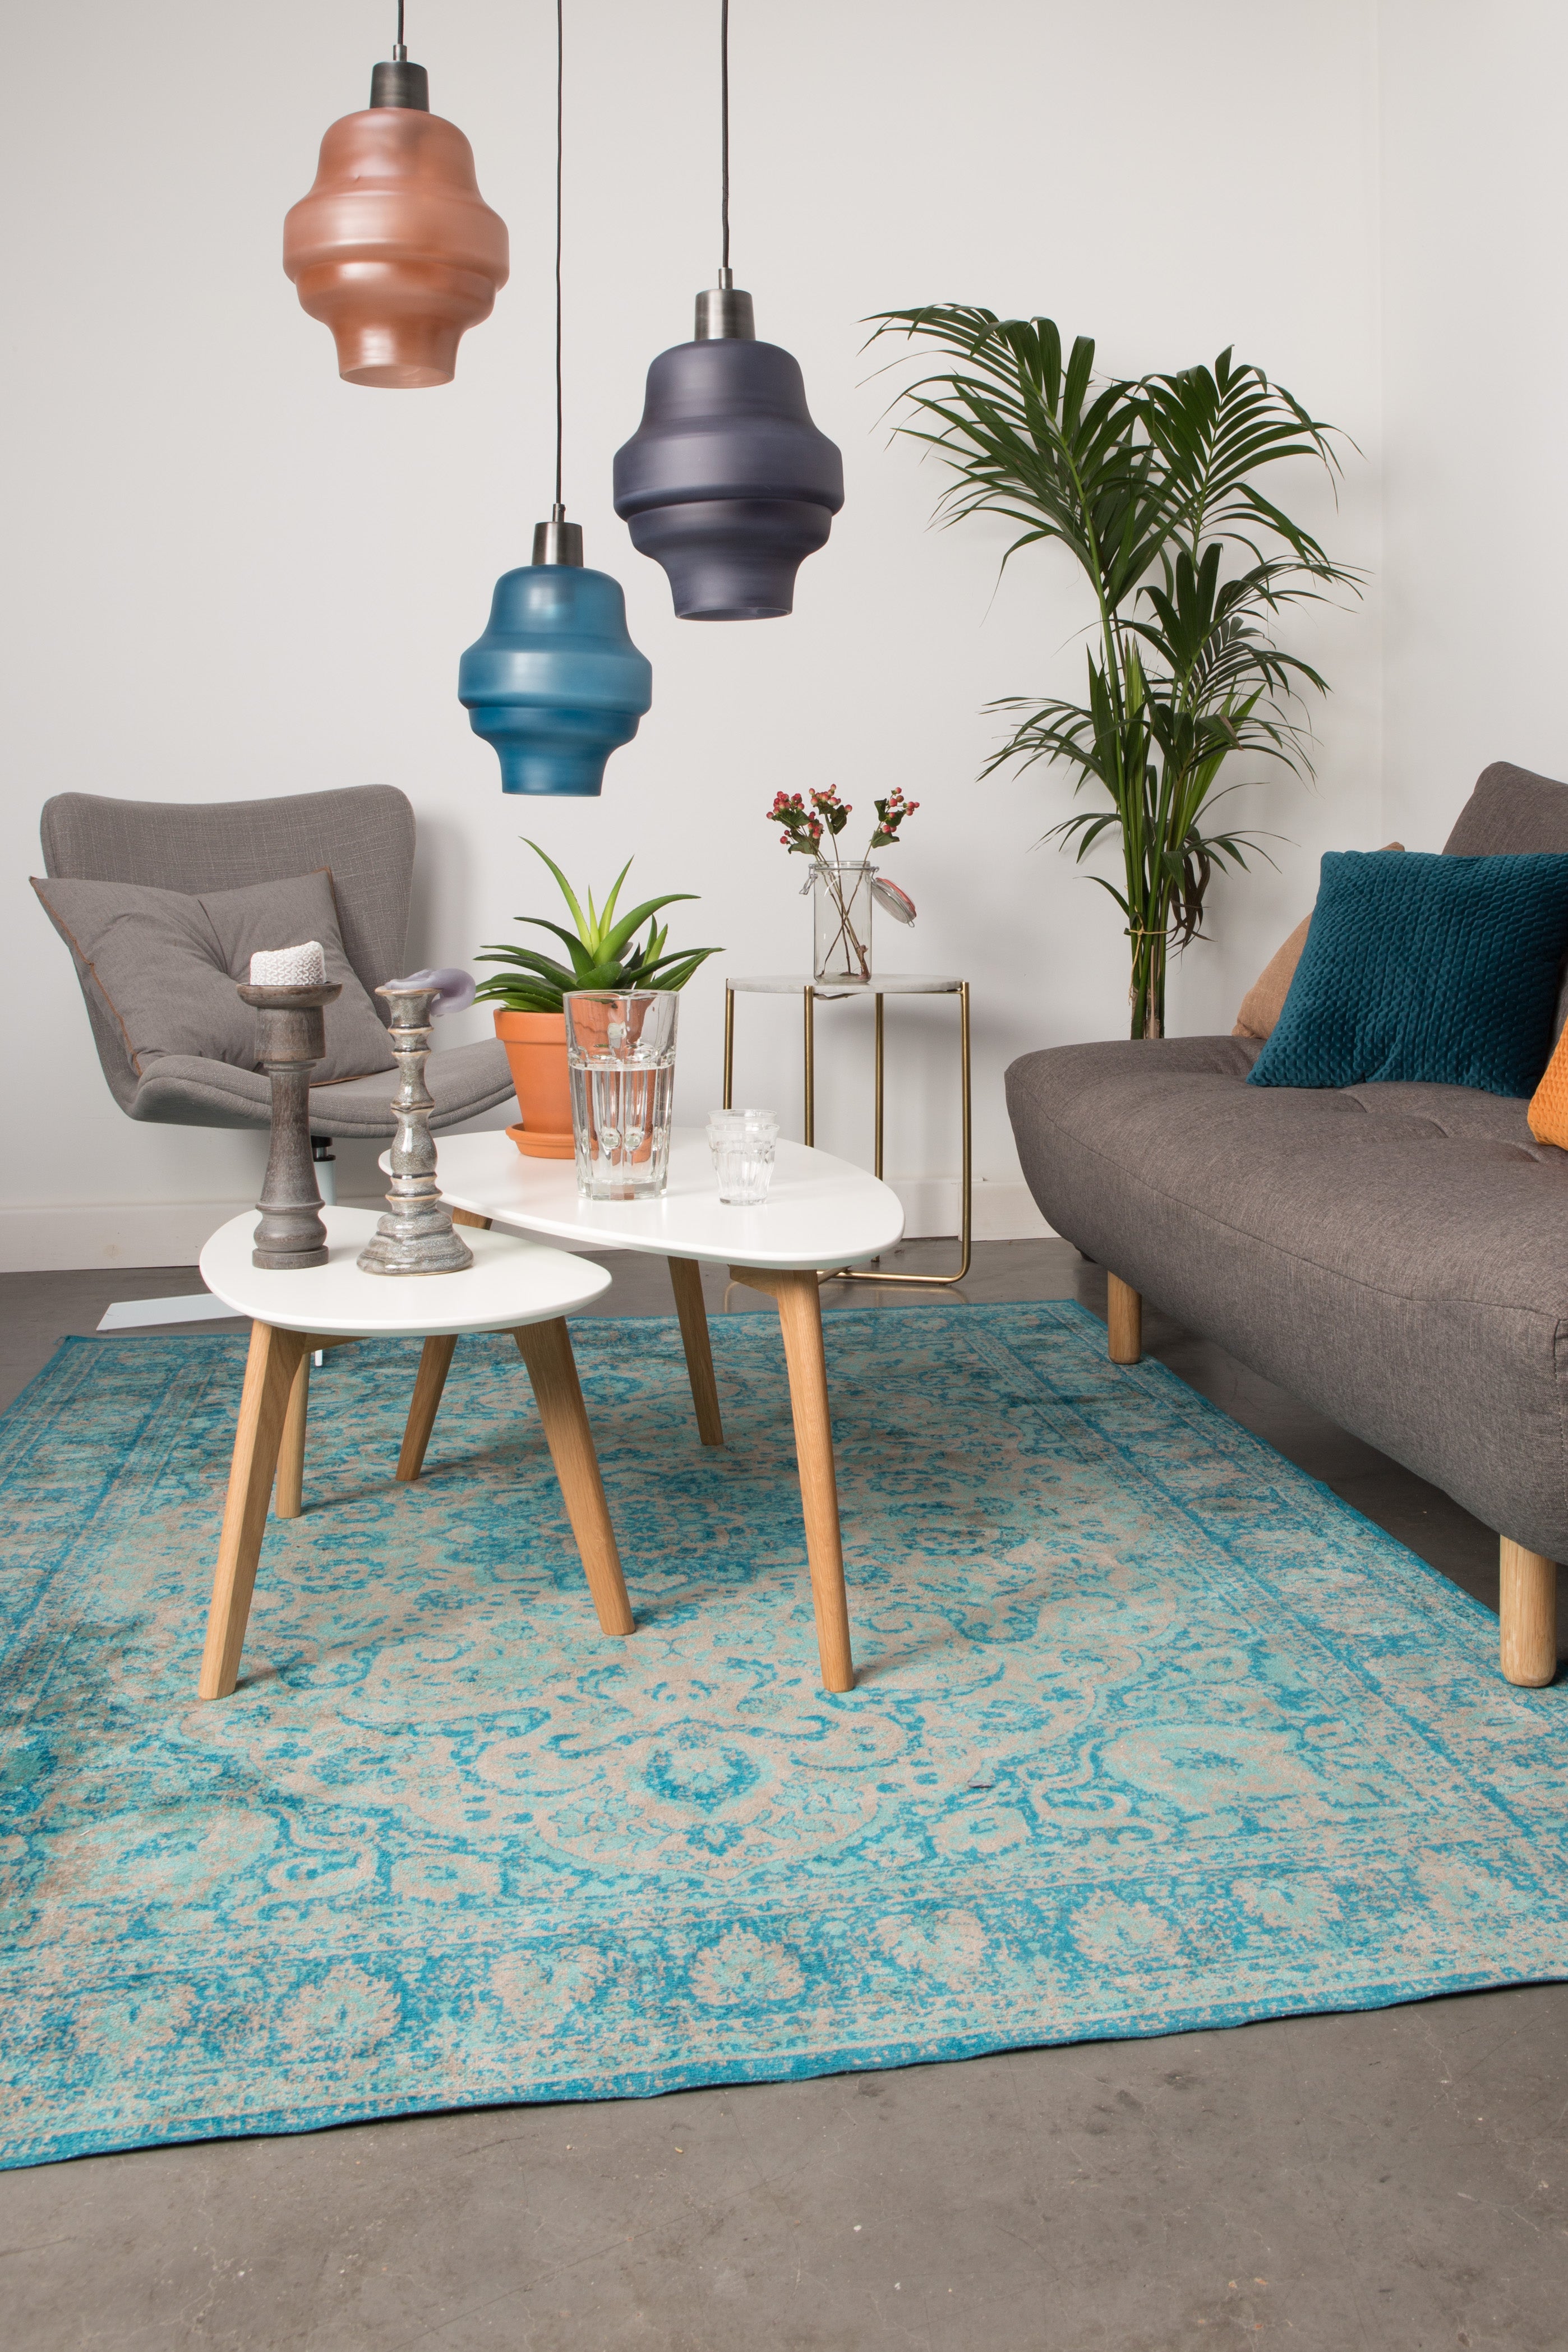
605 952
1148 483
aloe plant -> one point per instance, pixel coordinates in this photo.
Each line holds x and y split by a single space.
1149 484
601 950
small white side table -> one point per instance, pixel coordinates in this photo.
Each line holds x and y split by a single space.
820 1212
513 1286
879 985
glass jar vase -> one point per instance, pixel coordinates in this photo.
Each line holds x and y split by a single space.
841 921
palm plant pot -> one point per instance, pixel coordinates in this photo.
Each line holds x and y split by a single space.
536 1056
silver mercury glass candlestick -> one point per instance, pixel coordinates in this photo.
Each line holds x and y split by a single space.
293 1038
417 1235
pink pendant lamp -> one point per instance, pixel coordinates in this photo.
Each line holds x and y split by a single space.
394 249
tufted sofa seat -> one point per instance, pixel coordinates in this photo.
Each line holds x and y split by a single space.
1396 1255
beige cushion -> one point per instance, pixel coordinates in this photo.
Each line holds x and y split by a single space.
165 963
1265 1000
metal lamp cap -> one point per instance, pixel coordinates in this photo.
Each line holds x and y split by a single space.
558 541
394 82
724 314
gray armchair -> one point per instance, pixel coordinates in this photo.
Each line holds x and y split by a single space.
365 832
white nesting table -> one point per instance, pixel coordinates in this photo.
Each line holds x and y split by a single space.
821 1213
513 1286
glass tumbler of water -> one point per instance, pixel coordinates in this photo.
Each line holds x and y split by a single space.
741 1142
620 1052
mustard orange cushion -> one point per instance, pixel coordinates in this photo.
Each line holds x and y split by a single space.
1547 1112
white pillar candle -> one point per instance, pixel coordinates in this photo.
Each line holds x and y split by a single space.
299 967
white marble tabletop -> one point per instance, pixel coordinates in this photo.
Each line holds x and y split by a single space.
881 983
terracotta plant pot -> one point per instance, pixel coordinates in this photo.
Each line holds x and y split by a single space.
536 1056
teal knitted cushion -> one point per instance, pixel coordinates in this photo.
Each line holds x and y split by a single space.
1434 968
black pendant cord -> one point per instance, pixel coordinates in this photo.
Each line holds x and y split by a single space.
560 92
558 541
399 52
723 138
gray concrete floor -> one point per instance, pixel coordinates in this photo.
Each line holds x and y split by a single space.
1396 2180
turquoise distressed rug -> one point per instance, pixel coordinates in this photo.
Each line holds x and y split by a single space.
1152 1733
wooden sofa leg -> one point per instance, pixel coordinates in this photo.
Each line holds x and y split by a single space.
1527 1599
1124 1319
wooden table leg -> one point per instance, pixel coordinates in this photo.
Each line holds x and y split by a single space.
289 1500
434 1363
430 1381
269 1381
546 1349
686 1279
800 1319
289 1495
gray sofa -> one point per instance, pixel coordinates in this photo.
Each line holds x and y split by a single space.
1396 1254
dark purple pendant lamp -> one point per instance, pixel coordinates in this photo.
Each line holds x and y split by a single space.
727 482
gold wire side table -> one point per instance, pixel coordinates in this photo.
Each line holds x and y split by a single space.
880 985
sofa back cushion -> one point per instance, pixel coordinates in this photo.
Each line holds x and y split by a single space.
1429 969
1510 812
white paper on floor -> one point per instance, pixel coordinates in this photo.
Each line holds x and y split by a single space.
194 1306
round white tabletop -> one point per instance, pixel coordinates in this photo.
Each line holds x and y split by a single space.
881 983
820 1212
511 1282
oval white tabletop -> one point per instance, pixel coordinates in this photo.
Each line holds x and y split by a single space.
881 983
820 1212
511 1282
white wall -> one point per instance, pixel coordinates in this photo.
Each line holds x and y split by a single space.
1475 194
228 573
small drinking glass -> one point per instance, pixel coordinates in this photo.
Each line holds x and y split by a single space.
741 1142
620 1053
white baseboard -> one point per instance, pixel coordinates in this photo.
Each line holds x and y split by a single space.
171 1233
98 1234
1003 1212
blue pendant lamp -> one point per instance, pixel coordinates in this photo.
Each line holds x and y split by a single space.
727 482
555 683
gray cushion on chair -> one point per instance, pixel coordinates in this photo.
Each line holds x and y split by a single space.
164 964
183 1091
1396 1255
365 832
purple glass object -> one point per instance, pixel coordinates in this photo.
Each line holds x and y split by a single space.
727 482
452 990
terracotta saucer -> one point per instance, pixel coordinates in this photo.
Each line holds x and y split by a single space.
541 1144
